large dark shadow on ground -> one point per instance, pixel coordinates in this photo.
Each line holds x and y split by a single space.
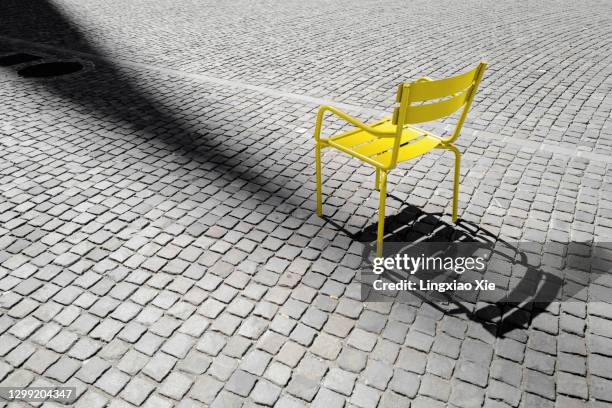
112 92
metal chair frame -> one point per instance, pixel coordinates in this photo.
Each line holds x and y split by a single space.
393 140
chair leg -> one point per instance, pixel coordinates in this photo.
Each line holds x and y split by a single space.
456 181
381 213
319 182
377 182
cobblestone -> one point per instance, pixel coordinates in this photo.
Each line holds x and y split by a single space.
158 243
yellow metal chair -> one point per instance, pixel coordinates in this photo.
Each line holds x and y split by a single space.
390 141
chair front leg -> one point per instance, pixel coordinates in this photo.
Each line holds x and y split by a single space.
377 182
456 180
319 181
381 212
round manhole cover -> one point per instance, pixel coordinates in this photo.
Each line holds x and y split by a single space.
16 59
50 69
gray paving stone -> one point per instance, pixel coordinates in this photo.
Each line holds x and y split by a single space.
253 327
255 362
211 343
18 378
314 318
511 350
540 362
391 399
227 324
371 321
92 370
466 395
265 393
412 360
302 387
476 351
241 383
227 399
84 348
340 381
349 308
539 384
504 392
600 389
271 342
195 363
132 332
364 396
278 373
25 327
132 362
165 326
352 360
282 325
178 345
447 346
149 343
326 398
435 387
137 391
175 386
290 354
92 399
507 371
440 365
362 340
114 350
377 374
20 354
159 366
472 373
205 389
543 342
112 381
237 346
5 369
326 346
405 383
106 330
223 367
7 343
290 402
572 385
600 366
303 334
63 369
62 341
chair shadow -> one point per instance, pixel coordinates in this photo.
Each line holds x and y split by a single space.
531 295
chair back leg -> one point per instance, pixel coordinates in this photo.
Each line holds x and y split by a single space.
319 181
381 213
456 181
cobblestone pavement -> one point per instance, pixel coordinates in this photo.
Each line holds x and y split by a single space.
158 242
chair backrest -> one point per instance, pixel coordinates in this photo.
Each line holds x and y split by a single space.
427 100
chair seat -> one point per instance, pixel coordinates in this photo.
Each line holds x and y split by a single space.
377 150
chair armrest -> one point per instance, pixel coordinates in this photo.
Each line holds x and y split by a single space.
349 119
424 79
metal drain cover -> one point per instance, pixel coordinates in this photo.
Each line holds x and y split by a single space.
18 58
50 69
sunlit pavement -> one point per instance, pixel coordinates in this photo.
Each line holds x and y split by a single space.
158 239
